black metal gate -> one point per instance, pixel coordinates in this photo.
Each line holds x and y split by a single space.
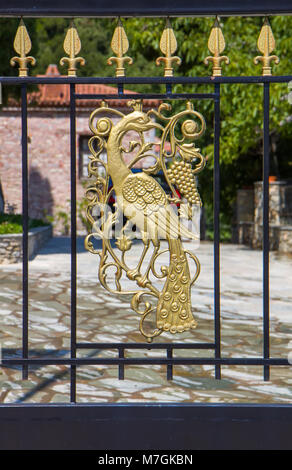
118 426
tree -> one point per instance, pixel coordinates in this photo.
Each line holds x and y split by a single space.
241 105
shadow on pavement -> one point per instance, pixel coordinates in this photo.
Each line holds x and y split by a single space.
62 245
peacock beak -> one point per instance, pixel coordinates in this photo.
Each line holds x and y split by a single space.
151 124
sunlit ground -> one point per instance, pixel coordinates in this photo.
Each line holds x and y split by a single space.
104 317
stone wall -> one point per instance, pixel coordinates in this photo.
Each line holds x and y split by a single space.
11 244
278 202
249 218
245 233
285 239
245 205
280 214
242 225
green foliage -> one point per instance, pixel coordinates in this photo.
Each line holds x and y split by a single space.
34 223
7 228
225 227
81 211
95 35
241 104
241 110
62 217
12 223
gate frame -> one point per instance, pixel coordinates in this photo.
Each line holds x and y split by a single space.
177 426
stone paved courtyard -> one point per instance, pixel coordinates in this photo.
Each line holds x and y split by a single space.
103 317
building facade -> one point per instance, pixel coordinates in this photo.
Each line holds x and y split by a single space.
49 148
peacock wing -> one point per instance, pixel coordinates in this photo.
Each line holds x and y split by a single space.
144 193
148 207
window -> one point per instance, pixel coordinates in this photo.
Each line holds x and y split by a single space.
84 154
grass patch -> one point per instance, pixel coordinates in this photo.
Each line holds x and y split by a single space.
12 223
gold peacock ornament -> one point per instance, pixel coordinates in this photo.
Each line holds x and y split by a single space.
141 202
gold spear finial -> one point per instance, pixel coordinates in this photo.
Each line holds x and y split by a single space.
216 46
266 45
168 46
22 46
72 47
120 46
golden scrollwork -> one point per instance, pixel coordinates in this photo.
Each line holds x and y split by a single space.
266 45
168 46
22 46
142 202
120 46
216 46
72 47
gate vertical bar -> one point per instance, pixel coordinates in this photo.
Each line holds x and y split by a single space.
216 198
266 227
169 353
121 366
24 229
73 238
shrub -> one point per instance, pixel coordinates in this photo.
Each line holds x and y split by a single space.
12 223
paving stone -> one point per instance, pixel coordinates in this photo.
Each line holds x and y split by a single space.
104 317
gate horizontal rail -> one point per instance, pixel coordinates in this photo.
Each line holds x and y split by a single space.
144 80
142 426
114 8
236 361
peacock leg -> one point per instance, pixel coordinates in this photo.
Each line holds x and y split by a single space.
135 273
145 279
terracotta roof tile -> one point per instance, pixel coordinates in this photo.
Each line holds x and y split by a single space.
58 95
